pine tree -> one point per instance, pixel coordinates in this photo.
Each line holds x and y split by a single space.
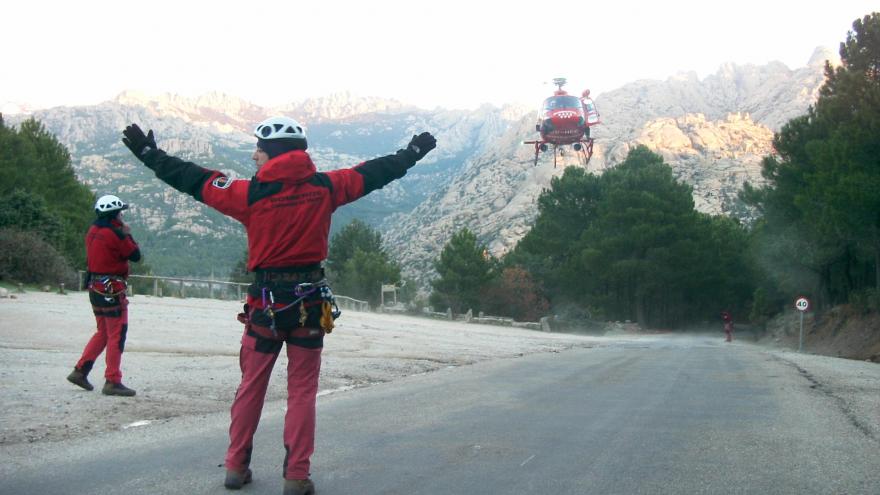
365 273
358 265
24 211
465 272
821 224
356 235
32 160
629 245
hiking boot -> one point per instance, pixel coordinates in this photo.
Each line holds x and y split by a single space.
80 379
237 479
111 388
299 487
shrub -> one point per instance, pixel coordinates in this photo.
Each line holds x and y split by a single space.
25 257
865 300
516 294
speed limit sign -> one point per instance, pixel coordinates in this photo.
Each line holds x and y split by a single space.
802 304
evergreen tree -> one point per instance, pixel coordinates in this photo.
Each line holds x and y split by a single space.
821 224
358 265
465 272
24 211
640 250
365 273
32 160
566 210
629 245
356 235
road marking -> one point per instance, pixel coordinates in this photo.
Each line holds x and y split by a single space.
527 460
136 424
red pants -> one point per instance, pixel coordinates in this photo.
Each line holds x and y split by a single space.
112 328
256 360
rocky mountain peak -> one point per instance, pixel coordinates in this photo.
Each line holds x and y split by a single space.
341 106
712 132
224 112
821 54
12 108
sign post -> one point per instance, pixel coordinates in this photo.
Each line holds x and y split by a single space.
802 305
388 288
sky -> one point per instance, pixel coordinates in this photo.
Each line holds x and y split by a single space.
450 53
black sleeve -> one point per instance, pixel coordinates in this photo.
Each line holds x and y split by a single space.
379 172
135 255
186 177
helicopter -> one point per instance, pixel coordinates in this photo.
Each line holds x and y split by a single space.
566 120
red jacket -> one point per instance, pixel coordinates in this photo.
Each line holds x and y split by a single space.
286 207
108 249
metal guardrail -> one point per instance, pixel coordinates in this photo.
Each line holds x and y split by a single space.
194 283
200 286
352 304
344 302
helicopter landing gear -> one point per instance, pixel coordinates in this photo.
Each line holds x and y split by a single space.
583 148
586 149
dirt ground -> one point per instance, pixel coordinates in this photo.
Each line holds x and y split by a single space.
840 332
181 356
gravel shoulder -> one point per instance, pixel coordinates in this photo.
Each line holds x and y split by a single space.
181 356
854 386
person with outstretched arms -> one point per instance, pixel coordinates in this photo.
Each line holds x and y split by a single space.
286 208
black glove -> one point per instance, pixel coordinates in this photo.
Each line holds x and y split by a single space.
136 141
422 144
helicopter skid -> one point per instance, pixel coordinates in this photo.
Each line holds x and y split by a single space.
585 149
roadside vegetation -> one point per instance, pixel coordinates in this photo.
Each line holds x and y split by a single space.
44 209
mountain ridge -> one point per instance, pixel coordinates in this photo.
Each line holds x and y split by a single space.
712 131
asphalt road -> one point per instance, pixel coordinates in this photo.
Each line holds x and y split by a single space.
657 416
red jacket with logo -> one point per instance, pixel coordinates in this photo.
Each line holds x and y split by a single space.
286 207
109 249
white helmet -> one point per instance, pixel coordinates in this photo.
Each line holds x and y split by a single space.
279 128
109 203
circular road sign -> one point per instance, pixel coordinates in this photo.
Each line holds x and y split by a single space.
802 304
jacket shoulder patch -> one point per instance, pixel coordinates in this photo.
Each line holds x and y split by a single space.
222 182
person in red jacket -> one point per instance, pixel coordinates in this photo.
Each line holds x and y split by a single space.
109 248
286 208
728 326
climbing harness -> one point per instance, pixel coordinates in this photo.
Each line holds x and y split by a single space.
107 285
329 310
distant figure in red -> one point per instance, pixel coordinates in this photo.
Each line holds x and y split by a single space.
728 326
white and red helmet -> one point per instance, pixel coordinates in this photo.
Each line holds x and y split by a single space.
280 128
108 204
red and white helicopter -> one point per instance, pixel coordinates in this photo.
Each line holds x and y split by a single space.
566 120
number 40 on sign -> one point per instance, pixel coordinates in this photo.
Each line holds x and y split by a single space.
802 304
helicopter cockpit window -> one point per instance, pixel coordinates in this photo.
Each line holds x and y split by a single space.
557 102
